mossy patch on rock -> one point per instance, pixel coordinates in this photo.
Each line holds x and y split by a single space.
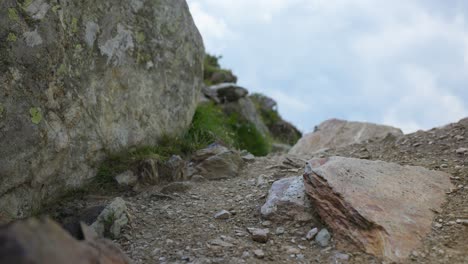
36 115
140 37
12 37
214 74
13 14
74 25
26 4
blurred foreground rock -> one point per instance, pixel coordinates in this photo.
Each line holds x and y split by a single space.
44 241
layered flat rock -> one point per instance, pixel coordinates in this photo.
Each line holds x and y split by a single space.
335 133
383 208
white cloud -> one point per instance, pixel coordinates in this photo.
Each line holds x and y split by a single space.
290 102
423 101
213 29
403 63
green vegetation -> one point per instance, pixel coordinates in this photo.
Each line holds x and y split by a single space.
55 8
13 14
26 4
272 119
36 116
209 125
11 37
140 37
74 25
211 66
246 136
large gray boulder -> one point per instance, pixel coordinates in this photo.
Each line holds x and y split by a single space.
79 79
335 133
382 208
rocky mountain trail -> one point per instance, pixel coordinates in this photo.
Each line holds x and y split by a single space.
225 220
131 144
219 222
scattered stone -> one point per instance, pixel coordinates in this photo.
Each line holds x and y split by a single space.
462 151
248 158
176 187
87 216
222 77
112 219
373 196
444 166
462 221
291 250
223 215
340 257
266 223
437 225
127 178
258 253
323 238
198 178
220 242
459 137
259 235
175 169
147 172
287 200
262 180
311 234
229 92
280 230
217 162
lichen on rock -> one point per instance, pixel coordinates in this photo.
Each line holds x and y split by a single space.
103 100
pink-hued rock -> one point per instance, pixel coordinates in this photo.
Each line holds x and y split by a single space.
383 208
335 133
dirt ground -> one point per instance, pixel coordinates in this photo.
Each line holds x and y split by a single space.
181 228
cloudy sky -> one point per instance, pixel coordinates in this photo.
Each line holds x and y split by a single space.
401 62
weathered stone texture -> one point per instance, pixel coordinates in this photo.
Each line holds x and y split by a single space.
336 133
79 79
383 208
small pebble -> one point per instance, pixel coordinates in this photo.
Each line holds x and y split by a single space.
311 234
280 230
223 214
259 253
323 238
259 235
